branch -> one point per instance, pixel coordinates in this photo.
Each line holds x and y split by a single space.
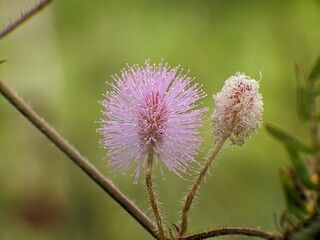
232 231
73 154
24 17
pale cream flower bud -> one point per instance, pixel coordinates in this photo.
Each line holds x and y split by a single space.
238 109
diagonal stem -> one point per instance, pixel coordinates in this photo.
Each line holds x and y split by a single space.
195 187
73 154
152 197
24 17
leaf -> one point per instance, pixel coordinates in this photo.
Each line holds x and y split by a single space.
2 61
315 72
294 148
304 100
304 96
287 139
300 168
294 199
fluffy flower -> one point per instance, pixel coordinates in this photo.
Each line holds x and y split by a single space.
152 108
238 109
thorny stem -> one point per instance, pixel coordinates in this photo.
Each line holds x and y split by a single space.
194 189
73 154
233 231
24 17
152 197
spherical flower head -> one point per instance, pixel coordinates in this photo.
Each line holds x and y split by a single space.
238 109
152 109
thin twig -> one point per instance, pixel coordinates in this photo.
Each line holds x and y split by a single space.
73 154
194 189
233 231
24 17
152 197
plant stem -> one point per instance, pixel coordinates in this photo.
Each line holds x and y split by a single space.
73 154
24 17
194 189
152 197
233 231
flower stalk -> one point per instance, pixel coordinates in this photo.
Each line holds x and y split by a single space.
195 187
152 196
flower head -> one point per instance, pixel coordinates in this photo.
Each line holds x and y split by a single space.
151 109
238 110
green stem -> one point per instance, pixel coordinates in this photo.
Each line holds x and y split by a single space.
152 197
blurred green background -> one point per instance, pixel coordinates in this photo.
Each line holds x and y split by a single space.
59 62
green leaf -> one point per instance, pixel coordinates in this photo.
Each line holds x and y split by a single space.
315 72
294 148
300 167
286 139
303 95
304 100
2 61
294 199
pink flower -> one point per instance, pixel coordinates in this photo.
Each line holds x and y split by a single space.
238 110
152 108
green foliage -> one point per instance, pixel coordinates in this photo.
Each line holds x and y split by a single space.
294 195
300 167
287 140
307 90
303 94
315 72
299 190
294 148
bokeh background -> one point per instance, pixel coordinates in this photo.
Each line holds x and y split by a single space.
59 62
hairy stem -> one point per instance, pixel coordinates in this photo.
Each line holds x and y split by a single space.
152 197
195 187
24 17
233 231
73 154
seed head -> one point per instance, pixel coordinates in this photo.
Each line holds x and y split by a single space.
238 109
